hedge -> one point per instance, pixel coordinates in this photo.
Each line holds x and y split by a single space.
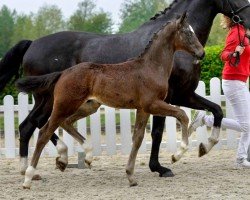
211 65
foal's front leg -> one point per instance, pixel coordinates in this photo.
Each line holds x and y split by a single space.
161 108
140 124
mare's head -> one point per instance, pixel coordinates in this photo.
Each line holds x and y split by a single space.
185 38
237 10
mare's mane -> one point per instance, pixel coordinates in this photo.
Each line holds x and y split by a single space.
155 36
159 14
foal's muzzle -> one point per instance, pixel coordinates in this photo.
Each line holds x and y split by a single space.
200 55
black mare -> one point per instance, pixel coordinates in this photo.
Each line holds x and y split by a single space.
62 50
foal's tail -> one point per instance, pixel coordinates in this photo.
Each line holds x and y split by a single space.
11 62
44 83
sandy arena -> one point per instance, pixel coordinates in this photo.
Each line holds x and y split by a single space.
210 177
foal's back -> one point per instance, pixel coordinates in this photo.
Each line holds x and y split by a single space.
116 85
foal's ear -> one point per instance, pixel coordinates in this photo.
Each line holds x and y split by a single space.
182 19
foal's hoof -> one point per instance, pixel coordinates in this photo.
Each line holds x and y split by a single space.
202 150
88 164
167 174
26 185
61 165
22 173
36 177
173 159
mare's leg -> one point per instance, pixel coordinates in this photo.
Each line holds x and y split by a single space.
161 108
85 110
197 102
157 131
26 129
140 124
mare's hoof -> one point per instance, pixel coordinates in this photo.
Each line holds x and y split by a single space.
202 150
60 165
168 173
24 187
173 159
36 177
133 184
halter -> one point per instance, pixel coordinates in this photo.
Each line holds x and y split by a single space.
237 20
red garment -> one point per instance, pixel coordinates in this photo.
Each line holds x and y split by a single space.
242 70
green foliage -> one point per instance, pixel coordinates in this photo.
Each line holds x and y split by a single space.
49 19
6 29
23 29
87 19
218 34
136 12
211 65
9 90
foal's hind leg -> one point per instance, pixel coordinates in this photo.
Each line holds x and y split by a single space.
42 117
59 114
140 124
85 110
161 108
36 118
44 136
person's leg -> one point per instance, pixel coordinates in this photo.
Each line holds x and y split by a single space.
200 119
238 95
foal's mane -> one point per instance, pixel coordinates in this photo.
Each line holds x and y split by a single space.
157 15
155 36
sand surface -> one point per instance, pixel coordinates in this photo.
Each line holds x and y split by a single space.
210 177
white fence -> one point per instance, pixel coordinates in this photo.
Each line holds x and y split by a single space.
109 129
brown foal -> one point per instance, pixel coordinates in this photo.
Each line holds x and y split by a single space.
141 83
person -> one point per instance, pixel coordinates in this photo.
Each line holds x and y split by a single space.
236 58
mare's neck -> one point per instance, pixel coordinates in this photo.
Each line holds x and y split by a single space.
200 16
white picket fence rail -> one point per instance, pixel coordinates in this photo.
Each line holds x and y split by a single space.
103 133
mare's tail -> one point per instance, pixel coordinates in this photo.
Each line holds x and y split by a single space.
44 83
11 62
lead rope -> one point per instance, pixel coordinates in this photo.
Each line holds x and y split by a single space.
234 61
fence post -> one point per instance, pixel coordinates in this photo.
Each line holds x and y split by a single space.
125 131
69 141
9 127
201 131
171 134
215 93
95 129
110 130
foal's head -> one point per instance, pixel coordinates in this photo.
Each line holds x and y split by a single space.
185 38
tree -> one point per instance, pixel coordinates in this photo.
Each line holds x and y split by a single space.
136 12
6 29
218 34
23 29
49 19
86 18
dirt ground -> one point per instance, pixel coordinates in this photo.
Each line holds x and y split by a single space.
211 177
